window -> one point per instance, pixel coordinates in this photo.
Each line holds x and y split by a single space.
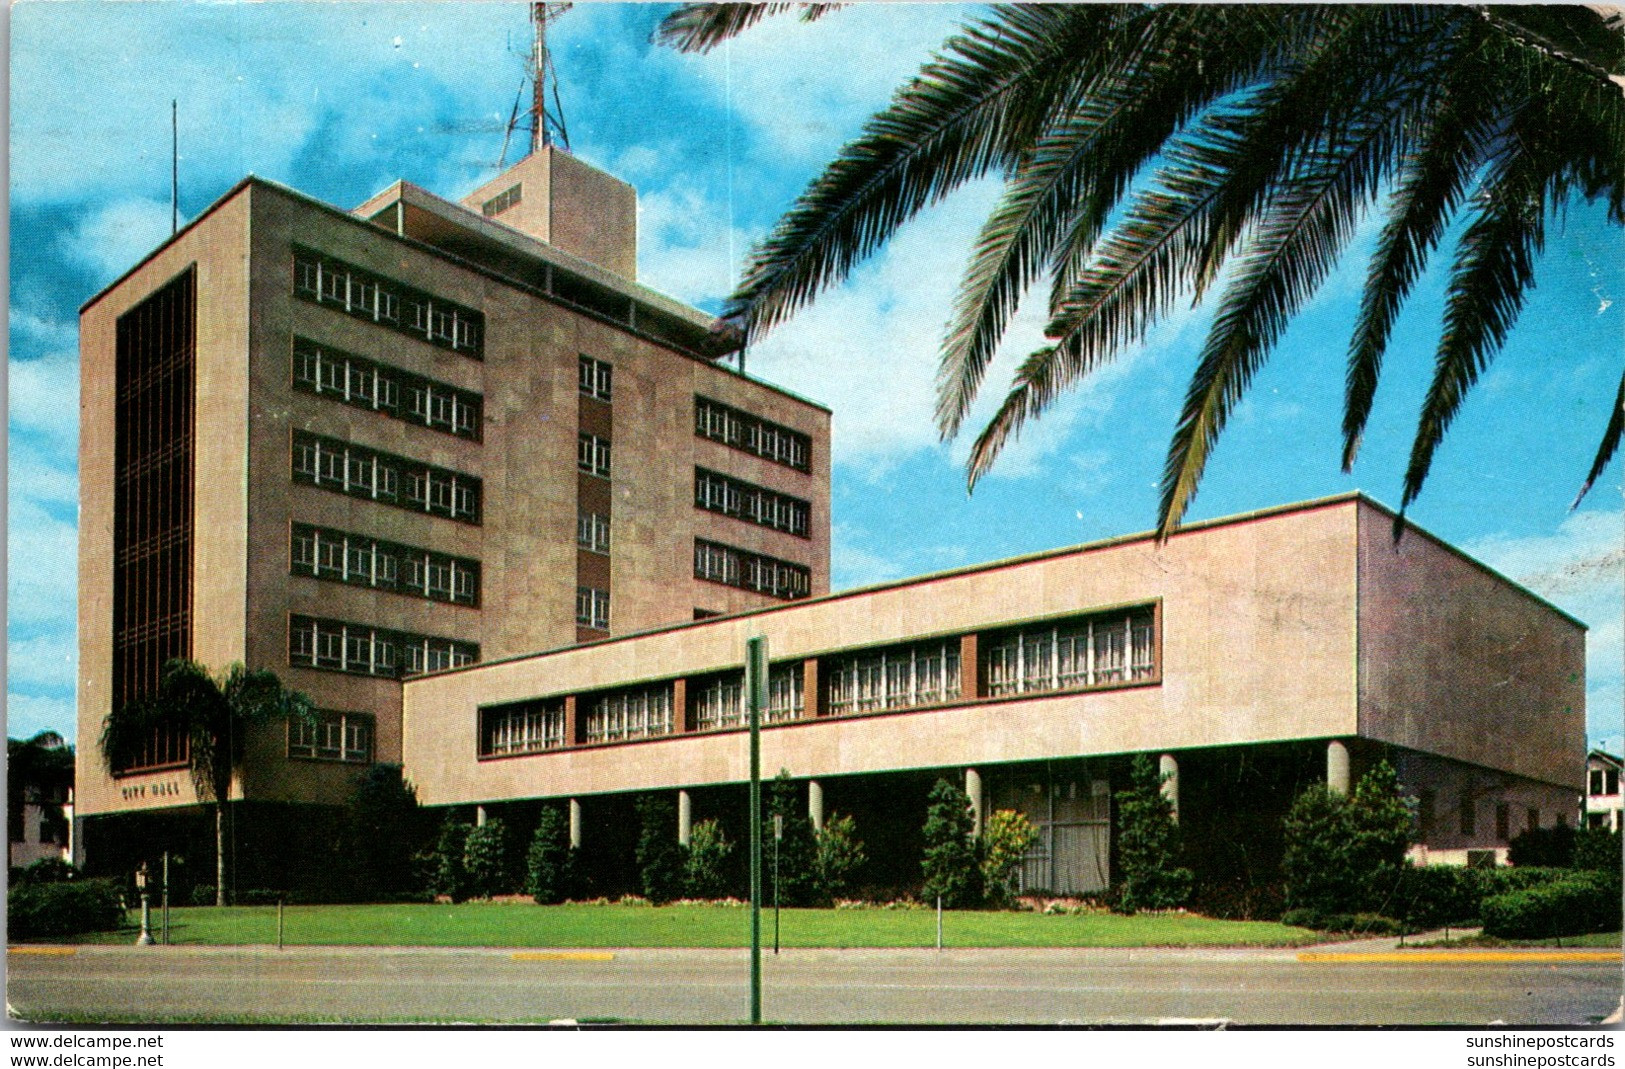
720 703
752 434
333 736
754 504
592 531
1072 654
592 455
596 378
592 608
718 563
1503 822
334 464
502 201
1468 815
637 713
338 646
1425 801
530 727
388 303
325 553
899 677
1532 819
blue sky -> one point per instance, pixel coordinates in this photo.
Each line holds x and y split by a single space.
338 100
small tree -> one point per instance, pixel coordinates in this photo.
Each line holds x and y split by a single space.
1597 849
797 850
450 859
1006 838
550 863
659 855
1342 854
1543 847
951 864
839 856
705 872
485 858
1148 843
382 829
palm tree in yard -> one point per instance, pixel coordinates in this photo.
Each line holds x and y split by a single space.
1156 152
216 715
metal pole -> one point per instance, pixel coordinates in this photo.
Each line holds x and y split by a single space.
778 834
939 922
166 898
755 692
145 938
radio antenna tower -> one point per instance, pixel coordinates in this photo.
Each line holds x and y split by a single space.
547 123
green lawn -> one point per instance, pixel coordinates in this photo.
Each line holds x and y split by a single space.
527 925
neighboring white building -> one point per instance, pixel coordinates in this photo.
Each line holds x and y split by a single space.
1603 807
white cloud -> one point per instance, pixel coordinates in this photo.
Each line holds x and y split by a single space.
852 566
685 246
113 238
29 714
45 662
41 566
44 399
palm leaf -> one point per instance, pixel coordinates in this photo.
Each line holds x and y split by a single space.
1608 446
701 27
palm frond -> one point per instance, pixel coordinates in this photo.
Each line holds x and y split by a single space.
701 27
1303 230
1608 446
970 111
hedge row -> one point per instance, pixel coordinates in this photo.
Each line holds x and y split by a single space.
51 910
1574 905
1439 895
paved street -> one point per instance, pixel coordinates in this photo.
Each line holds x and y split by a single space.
807 986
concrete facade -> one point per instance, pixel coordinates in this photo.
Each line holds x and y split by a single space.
1301 625
538 314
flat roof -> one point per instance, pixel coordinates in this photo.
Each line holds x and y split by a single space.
1355 497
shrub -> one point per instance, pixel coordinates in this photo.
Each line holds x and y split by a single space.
1006 838
1576 904
951 866
1340 851
1366 924
705 870
1148 844
485 859
383 827
839 856
550 863
1435 896
51 910
797 851
450 865
45 870
1595 849
1551 847
659 855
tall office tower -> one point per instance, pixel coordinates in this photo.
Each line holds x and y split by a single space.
353 447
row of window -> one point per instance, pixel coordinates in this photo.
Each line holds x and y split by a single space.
381 300
757 572
365 383
597 378
325 553
592 607
752 434
902 677
747 501
1080 653
720 703
913 675
338 646
333 736
335 464
503 201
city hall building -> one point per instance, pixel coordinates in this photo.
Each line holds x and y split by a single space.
501 511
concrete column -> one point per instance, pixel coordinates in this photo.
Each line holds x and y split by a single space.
685 816
575 824
973 787
1337 767
815 804
1168 769
479 816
